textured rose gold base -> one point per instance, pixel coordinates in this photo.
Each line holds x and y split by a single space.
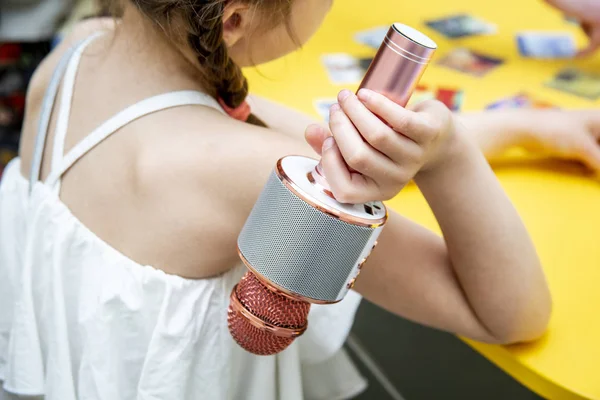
263 322
253 339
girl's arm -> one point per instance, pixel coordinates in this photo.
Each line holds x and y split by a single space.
482 280
567 134
557 133
279 117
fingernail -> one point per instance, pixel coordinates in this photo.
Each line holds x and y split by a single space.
328 143
313 127
344 95
364 95
334 108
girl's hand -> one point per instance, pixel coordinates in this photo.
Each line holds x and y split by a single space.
376 146
566 134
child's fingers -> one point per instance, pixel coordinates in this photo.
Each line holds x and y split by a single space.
400 119
347 187
359 156
377 133
315 135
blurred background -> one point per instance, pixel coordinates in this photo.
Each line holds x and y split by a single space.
28 31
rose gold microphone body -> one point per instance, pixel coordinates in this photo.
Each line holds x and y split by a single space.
299 244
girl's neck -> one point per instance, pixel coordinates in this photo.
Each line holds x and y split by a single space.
148 47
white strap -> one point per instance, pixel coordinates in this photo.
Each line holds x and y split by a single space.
130 114
62 122
45 113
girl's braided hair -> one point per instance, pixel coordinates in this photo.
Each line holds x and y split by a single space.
203 24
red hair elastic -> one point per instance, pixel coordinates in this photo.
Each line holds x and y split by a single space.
241 112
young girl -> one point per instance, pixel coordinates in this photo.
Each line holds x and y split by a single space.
137 170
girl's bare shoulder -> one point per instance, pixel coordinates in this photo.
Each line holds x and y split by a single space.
79 32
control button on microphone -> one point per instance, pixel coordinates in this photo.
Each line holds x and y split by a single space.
362 263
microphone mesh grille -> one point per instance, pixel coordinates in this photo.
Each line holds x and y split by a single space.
270 307
298 247
252 339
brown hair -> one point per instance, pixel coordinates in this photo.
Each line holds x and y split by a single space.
203 25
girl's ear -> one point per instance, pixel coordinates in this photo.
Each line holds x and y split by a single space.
236 20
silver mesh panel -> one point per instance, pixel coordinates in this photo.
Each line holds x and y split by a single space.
297 246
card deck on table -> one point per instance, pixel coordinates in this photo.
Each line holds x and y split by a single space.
344 68
469 62
461 25
546 45
520 100
578 82
372 37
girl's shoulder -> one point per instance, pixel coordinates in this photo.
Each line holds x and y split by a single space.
44 71
79 32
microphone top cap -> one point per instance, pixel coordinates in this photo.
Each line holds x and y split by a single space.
415 35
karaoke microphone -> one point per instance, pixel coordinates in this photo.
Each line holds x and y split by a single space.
300 245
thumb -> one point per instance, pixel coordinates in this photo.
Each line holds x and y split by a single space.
589 153
315 135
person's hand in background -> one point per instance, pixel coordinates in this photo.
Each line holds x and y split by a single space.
572 135
588 14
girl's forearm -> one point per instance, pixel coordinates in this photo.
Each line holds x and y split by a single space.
489 248
495 132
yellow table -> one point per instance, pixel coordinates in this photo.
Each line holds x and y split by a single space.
559 203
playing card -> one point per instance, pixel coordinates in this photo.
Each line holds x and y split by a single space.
461 25
469 62
451 97
520 100
578 82
322 106
546 45
372 37
345 69
421 94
